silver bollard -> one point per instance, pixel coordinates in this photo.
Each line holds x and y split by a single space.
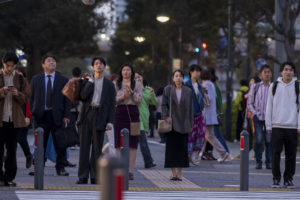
111 178
244 162
39 159
125 154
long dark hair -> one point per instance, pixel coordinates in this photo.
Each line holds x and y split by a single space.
132 81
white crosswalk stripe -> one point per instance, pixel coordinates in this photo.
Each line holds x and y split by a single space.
157 195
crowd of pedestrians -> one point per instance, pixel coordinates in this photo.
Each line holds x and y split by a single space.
193 109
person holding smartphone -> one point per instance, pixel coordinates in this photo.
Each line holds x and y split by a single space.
14 93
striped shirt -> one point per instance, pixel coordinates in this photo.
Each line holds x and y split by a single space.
258 105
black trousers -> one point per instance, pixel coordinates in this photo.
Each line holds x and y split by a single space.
22 140
48 124
289 139
8 138
89 136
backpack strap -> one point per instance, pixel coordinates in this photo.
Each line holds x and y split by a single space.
274 88
256 87
297 93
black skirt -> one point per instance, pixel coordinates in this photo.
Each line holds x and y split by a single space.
176 155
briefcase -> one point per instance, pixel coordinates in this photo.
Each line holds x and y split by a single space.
66 136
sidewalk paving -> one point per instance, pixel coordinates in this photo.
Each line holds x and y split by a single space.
209 175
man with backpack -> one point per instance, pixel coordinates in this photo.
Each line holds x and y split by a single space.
257 102
241 104
283 123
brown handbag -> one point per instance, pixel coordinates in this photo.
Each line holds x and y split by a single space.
135 127
163 125
72 89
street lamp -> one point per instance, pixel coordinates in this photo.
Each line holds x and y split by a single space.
139 39
162 18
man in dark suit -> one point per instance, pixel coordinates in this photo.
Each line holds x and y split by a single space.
50 107
97 115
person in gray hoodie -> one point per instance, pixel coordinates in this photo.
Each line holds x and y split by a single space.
283 123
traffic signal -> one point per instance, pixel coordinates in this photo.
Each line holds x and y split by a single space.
197 50
204 45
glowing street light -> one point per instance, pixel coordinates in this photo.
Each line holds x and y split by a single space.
162 18
139 39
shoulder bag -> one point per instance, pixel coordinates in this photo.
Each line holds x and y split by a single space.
135 127
163 125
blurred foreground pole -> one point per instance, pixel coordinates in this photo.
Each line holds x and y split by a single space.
229 73
111 178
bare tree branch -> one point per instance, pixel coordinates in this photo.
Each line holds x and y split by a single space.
269 18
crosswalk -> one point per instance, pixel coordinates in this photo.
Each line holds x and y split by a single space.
158 195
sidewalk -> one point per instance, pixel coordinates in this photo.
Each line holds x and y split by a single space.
208 176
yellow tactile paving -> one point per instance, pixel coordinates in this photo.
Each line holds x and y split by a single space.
161 178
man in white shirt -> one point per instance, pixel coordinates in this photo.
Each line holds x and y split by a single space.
283 122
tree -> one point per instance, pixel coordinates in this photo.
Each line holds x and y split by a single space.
66 28
290 10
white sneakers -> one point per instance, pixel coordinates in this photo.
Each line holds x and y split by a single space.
222 159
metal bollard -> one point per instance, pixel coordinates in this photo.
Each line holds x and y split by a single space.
125 154
39 159
111 178
244 165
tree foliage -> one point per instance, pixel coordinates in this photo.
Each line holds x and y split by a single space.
65 28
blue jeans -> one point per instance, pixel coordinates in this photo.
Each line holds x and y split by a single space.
220 137
260 134
145 149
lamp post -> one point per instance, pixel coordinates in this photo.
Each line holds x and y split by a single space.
229 75
163 19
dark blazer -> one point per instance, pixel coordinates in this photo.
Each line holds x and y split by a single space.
106 112
181 112
60 104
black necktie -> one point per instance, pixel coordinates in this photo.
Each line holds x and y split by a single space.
49 93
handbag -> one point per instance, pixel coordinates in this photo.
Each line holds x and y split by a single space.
72 89
205 98
135 127
163 125
66 136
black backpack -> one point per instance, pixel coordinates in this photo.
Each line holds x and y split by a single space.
296 91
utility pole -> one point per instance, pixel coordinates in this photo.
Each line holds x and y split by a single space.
280 53
229 74
180 48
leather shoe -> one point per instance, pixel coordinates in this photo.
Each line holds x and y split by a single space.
62 172
28 161
258 166
268 166
82 181
150 165
10 184
2 183
68 164
93 181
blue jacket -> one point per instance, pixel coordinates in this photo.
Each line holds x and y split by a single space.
198 104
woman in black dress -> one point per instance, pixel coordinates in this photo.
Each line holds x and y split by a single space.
179 99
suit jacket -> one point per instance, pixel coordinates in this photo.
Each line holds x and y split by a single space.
106 112
17 101
181 112
60 104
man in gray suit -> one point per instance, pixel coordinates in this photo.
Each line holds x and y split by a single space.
97 115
